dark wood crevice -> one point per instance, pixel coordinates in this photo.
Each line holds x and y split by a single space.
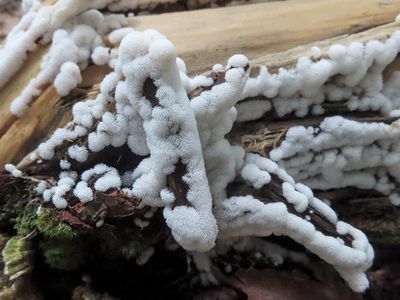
175 180
217 78
178 187
150 92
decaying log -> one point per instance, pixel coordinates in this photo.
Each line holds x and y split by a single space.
254 136
20 136
263 28
279 31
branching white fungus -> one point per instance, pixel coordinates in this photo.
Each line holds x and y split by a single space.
185 162
350 74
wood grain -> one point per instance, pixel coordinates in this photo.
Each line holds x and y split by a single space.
289 58
206 37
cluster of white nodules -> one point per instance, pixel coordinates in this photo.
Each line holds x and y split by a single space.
352 75
215 114
73 45
163 128
13 170
244 216
47 149
108 179
58 193
342 153
42 20
247 216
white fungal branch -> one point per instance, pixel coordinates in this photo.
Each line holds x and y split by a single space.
342 153
38 23
71 49
242 216
13 170
148 62
215 115
351 75
246 216
175 154
143 105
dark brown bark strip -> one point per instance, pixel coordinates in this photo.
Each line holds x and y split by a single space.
175 180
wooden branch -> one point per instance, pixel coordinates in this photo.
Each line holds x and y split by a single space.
213 35
369 211
288 58
201 45
21 136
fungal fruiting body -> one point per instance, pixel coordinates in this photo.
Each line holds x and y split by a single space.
341 153
172 131
351 76
72 46
151 115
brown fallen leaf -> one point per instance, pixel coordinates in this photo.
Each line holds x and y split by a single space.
72 220
220 293
271 284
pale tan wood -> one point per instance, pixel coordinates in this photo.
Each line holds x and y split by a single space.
16 85
289 58
204 37
209 36
24 129
45 115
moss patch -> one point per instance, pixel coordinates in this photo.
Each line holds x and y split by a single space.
62 254
46 222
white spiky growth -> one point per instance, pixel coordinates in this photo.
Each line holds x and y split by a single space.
170 130
352 75
167 131
243 216
247 216
72 47
341 153
171 136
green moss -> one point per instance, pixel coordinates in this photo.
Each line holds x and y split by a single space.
30 191
17 257
13 200
25 224
51 226
58 242
47 223
131 249
64 254
9 213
